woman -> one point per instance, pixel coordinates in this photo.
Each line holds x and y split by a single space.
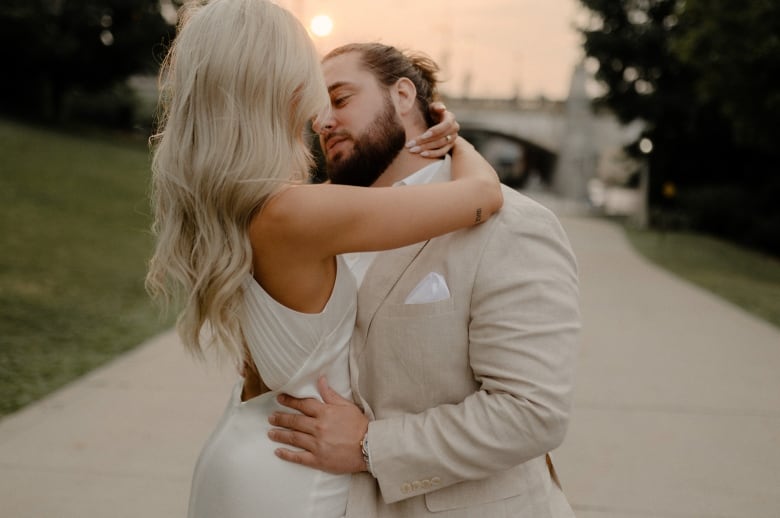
253 251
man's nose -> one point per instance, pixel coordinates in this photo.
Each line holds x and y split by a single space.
322 124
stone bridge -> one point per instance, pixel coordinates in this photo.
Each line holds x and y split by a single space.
561 144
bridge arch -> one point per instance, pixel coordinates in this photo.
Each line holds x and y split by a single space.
516 159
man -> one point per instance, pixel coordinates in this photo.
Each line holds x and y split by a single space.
464 348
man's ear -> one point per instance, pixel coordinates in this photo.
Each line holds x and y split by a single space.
406 95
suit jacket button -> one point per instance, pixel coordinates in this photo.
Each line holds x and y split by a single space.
416 485
426 484
406 487
435 481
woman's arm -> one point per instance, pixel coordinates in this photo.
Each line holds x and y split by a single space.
327 220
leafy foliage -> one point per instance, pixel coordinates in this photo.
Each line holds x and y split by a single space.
733 48
700 74
50 48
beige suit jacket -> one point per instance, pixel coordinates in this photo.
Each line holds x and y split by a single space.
467 395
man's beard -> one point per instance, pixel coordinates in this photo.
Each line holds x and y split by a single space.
372 152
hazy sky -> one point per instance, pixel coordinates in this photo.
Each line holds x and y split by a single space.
486 47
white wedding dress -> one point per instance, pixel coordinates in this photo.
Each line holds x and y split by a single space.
237 474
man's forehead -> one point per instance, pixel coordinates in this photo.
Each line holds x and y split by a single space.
344 69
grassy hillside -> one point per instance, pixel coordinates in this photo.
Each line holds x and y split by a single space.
74 243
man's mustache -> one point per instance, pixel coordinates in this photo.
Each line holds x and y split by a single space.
339 134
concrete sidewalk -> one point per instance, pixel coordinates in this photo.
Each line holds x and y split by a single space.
119 443
677 411
677 402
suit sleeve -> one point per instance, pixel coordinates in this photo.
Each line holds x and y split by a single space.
523 338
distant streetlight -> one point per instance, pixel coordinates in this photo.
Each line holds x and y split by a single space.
106 38
646 145
321 25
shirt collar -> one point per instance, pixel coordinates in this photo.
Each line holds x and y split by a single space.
431 173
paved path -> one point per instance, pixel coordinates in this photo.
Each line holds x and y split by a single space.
677 406
677 411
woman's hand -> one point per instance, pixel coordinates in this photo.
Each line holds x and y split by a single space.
439 139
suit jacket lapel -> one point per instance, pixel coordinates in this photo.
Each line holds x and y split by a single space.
383 274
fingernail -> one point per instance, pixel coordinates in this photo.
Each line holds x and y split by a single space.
424 153
411 143
272 418
415 149
427 134
272 434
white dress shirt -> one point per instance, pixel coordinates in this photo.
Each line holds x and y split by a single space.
359 262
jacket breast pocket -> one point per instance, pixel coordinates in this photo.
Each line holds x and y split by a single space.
429 309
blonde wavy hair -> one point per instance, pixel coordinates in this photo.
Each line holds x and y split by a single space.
238 87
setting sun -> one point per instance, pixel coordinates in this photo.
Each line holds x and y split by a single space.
321 25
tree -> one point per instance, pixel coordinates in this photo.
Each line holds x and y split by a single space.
700 75
645 80
733 48
50 48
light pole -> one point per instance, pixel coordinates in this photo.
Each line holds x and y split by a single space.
643 212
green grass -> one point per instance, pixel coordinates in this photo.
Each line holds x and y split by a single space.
746 278
74 242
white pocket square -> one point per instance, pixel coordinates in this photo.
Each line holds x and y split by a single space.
432 288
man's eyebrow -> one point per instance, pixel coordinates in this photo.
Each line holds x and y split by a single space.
337 85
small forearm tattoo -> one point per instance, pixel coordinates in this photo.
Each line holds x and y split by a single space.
479 215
